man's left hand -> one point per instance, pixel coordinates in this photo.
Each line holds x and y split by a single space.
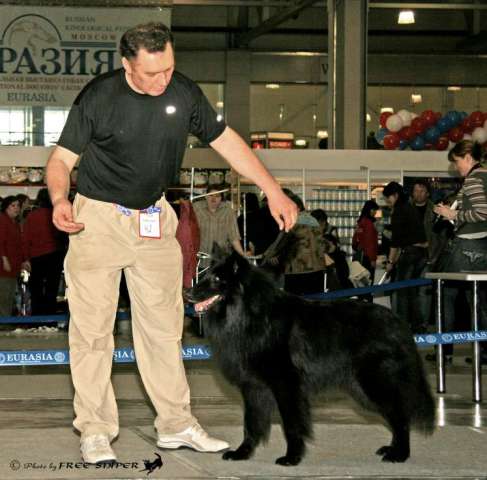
283 209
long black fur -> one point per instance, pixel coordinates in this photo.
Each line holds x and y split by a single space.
280 348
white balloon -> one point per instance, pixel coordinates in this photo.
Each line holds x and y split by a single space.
394 123
405 117
479 135
467 136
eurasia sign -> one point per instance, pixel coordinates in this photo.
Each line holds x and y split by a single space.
48 54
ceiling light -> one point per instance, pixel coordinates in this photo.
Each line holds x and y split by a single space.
219 104
301 142
416 98
272 86
406 17
386 109
322 134
454 88
368 117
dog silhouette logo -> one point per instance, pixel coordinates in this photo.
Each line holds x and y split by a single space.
152 466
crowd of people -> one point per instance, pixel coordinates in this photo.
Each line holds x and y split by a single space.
29 241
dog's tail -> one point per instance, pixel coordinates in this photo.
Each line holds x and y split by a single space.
424 416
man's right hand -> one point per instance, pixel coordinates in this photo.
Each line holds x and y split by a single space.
62 217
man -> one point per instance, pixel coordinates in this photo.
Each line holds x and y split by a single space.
420 199
217 222
131 126
408 253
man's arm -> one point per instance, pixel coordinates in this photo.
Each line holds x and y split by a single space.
238 154
58 169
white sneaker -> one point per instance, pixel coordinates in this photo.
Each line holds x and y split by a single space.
96 449
193 437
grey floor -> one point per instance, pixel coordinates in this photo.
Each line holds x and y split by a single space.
38 441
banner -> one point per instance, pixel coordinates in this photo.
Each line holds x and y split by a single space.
9 358
47 54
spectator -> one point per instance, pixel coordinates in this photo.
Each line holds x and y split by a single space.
304 271
11 255
262 230
326 228
365 239
407 255
43 247
217 222
420 199
468 249
25 208
339 259
251 220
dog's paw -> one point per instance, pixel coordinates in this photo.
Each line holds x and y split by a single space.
392 455
236 455
288 460
383 450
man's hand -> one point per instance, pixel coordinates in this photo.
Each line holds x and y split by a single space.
62 217
6 264
283 209
26 266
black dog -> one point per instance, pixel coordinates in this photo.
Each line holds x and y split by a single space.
278 347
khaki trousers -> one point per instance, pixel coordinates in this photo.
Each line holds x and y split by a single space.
108 244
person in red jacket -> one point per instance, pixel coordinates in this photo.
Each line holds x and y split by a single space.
365 239
43 247
11 256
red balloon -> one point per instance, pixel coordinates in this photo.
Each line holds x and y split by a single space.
428 146
391 141
407 133
455 134
418 125
383 118
477 119
466 125
429 117
438 116
442 143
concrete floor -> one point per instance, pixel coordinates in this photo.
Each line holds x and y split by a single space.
38 441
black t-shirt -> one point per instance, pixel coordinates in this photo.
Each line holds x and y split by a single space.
133 144
407 227
421 209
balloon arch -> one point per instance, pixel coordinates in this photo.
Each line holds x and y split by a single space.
430 130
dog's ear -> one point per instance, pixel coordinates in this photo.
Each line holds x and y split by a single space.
217 252
238 262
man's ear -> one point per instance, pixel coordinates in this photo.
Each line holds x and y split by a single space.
126 65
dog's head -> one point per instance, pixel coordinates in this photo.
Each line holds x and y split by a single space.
219 281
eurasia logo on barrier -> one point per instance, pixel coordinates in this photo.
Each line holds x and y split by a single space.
31 44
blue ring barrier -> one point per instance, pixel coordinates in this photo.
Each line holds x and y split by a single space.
203 352
49 318
351 292
10 358
189 309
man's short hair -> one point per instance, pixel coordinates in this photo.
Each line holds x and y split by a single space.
152 37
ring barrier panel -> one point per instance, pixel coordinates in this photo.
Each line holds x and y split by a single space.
203 352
